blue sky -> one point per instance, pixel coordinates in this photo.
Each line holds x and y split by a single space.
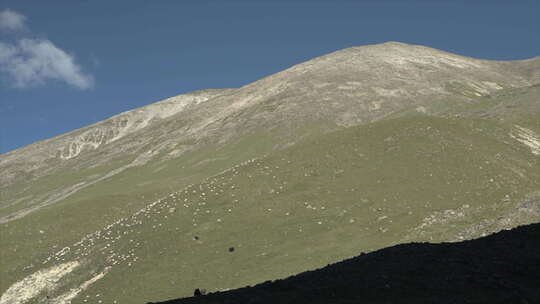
68 64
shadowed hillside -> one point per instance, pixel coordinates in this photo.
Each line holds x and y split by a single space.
500 268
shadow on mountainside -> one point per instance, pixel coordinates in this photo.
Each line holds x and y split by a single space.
500 268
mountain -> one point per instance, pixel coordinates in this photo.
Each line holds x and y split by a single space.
500 268
353 151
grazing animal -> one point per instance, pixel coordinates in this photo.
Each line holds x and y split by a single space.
231 249
199 292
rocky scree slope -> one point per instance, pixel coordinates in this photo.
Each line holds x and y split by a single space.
119 137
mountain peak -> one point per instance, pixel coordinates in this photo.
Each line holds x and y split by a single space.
389 44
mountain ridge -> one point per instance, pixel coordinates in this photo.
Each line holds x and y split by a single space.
386 45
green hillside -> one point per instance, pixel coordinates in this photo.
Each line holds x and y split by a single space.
350 191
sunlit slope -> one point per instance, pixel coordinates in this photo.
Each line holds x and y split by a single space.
360 189
49 171
348 87
30 239
516 105
112 168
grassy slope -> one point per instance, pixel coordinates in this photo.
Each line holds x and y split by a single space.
64 223
519 105
354 190
103 203
512 105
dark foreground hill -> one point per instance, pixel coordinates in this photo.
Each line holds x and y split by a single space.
500 268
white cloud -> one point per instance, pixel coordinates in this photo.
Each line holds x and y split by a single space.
11 21
31 62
